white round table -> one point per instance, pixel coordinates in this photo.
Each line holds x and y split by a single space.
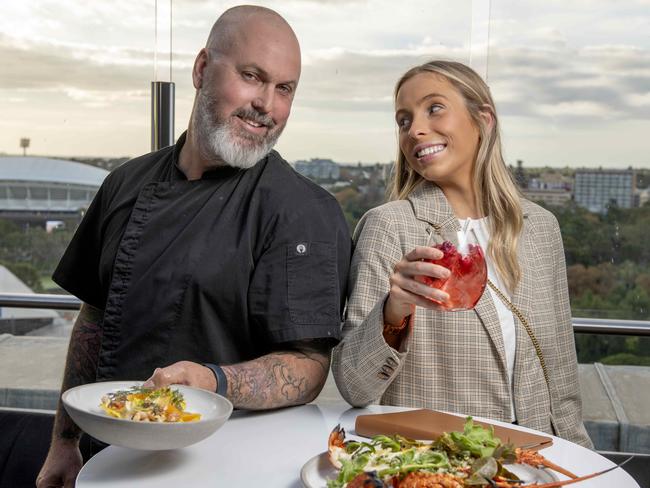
255 449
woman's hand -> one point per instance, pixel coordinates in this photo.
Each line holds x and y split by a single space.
406 291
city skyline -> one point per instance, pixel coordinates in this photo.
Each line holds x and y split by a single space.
570 81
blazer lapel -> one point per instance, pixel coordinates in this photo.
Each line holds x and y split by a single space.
430 205
487 313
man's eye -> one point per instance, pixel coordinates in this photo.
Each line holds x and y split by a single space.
286 89
247 75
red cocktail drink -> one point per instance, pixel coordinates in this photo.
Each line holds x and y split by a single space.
468 276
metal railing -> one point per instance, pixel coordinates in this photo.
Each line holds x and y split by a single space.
580 325
611 326
39 300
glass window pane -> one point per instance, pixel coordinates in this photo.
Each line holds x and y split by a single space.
58 194
37 193
569 87
18 192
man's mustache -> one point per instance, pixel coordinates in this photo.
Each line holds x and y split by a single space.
264 119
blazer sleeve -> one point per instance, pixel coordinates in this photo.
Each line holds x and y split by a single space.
363 364
566 404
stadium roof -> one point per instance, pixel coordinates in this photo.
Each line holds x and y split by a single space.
47 170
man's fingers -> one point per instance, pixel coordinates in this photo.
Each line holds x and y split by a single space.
182 373
150 383
160 378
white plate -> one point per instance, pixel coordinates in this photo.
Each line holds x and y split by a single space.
82 404
316 472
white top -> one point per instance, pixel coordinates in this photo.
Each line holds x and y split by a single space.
478 231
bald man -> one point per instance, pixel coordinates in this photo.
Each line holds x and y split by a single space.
210 263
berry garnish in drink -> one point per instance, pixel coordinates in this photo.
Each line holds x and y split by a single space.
467 279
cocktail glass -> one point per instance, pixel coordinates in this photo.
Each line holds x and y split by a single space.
465 259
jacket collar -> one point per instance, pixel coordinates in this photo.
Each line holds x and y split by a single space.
430 205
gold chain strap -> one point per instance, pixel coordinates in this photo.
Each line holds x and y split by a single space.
524 322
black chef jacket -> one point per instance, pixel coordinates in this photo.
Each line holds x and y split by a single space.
221 269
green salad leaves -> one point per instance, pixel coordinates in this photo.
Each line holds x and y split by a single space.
475 456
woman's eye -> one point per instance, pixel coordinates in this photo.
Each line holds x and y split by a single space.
403 123
434 108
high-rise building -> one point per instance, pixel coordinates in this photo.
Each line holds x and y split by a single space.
598 189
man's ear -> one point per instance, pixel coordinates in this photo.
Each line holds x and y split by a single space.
487 115
198 71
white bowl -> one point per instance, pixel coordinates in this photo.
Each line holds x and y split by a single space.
82 404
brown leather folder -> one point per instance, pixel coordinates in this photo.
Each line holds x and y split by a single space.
427 424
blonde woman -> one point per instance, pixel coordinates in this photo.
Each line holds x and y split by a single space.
399 347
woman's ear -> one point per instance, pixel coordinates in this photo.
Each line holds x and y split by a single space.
487 115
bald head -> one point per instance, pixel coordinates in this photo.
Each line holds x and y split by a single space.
235 22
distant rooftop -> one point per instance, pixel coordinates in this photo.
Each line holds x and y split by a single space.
47 170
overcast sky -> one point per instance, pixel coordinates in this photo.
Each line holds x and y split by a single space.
571 79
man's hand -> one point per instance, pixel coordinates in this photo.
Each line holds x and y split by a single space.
61 466
183 373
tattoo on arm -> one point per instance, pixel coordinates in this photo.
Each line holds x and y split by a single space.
81 364
291 377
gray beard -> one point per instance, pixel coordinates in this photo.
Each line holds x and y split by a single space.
217 143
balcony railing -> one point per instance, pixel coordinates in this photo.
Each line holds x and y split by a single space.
39 300
580 325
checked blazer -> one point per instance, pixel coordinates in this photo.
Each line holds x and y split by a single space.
455 361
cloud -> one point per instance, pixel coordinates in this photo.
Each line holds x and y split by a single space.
595 81
574 109
552 64
65 66
524 81
348 80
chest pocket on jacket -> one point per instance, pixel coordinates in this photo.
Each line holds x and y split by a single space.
312 282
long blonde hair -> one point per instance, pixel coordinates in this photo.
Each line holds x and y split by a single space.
496 193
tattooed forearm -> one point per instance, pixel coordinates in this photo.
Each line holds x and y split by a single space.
81 364
279 379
